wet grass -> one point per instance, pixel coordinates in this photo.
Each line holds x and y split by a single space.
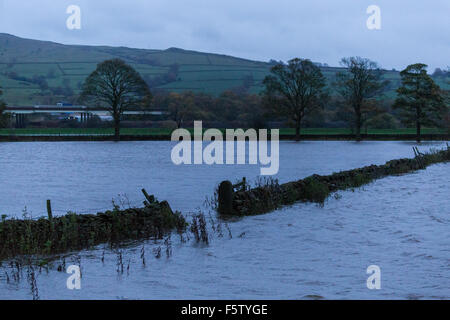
168 132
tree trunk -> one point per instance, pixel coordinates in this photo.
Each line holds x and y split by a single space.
358 125
297 131
117 128
418 124
418 133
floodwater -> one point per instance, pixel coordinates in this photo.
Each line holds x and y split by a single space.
400 224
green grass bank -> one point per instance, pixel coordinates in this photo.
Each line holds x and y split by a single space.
130 134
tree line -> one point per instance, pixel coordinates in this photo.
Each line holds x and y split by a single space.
299 87
296 92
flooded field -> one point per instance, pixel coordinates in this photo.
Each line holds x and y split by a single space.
304 251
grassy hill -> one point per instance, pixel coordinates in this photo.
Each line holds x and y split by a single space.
36 72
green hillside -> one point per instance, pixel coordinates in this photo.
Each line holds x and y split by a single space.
41 72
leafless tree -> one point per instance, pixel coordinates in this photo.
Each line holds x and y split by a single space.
295 89
358 85
117 87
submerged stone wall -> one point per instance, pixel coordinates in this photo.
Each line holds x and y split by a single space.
75 232
316 188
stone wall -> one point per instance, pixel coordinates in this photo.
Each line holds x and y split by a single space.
316 188
75 232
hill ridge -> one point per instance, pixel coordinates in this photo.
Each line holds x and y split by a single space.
44 72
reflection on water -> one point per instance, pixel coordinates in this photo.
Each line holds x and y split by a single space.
303 251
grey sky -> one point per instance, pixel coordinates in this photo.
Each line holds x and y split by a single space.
322 30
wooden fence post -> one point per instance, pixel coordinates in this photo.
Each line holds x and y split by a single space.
50 214
150 199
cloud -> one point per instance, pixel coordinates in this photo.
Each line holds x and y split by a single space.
323 31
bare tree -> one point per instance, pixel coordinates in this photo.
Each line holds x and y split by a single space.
295 89
184 107
358 85
117 87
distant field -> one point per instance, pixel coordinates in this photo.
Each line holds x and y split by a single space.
168 132
68 66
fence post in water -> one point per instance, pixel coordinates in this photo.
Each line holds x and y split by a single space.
50 215
150 199
419 157
226 198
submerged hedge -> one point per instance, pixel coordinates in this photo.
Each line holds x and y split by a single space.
316 188
76 232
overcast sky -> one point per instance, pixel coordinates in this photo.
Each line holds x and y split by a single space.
321 30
